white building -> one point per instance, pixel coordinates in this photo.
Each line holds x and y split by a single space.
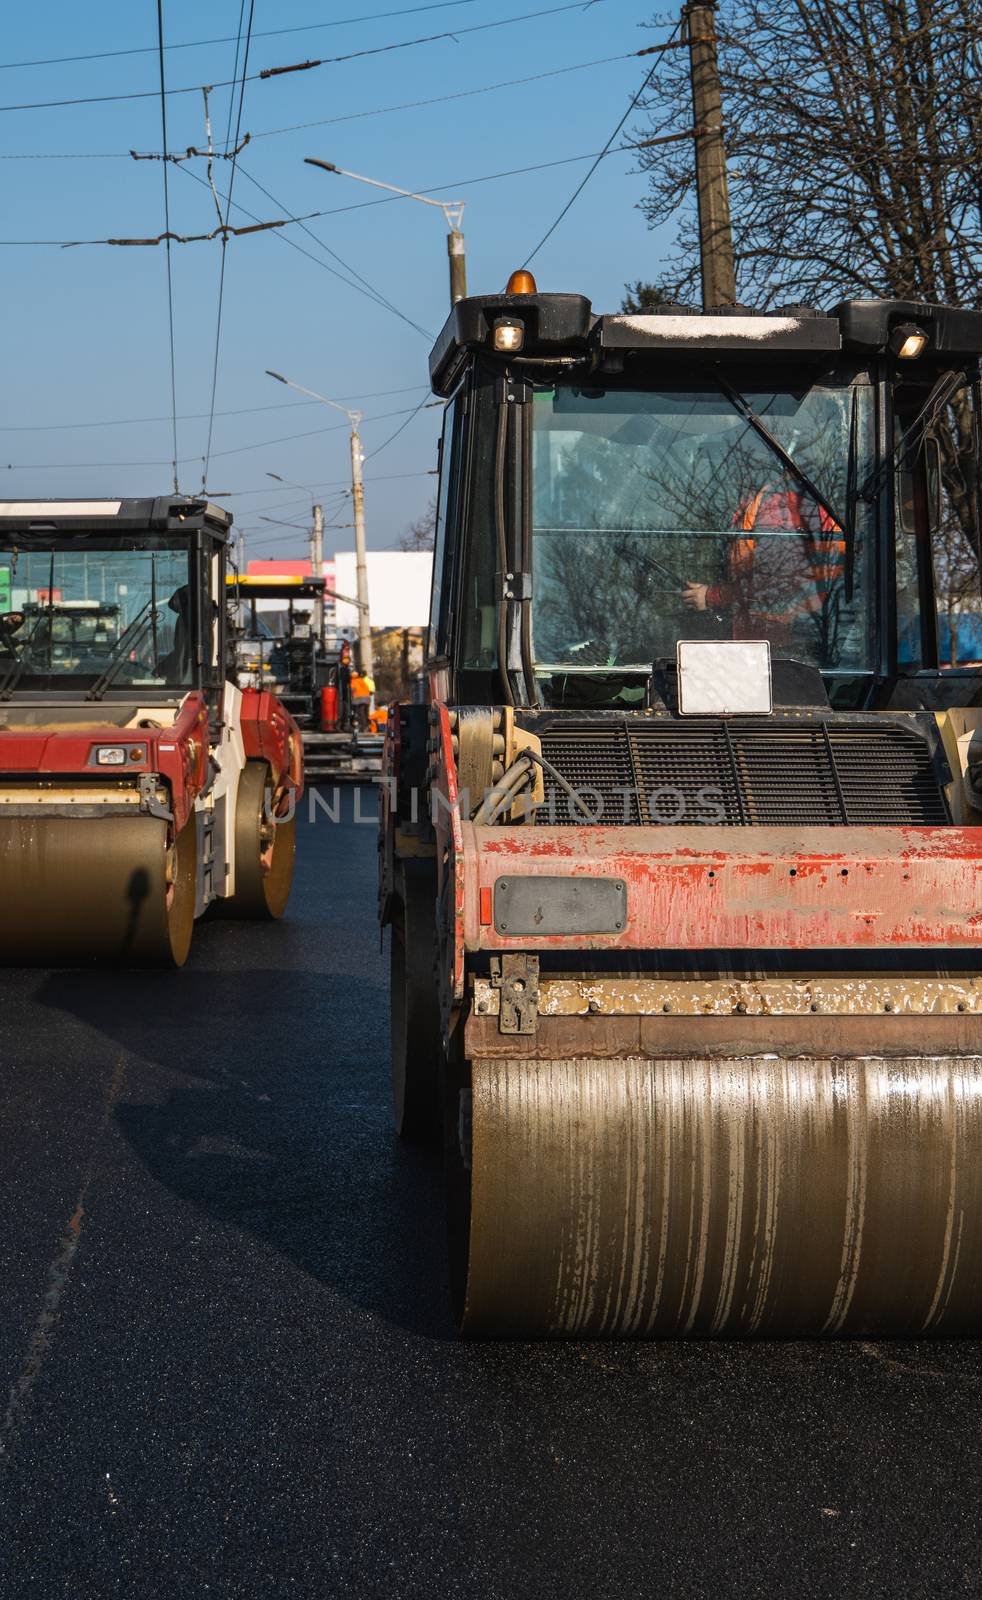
398 587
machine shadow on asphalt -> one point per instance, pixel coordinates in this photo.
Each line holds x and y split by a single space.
295 1150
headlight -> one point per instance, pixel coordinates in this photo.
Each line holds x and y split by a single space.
117 755
508 335
908 341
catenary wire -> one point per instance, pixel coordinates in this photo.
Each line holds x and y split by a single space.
235 73
351 283
606 149
336 483
387 200
170 280
327 61
228 209
334 255
197 416
349 116
267 33
414 413
239 449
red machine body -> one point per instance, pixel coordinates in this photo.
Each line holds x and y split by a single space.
139 785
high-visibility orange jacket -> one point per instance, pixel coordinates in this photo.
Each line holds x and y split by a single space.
362 688
774 580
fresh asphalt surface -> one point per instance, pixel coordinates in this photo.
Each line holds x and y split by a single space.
227 1366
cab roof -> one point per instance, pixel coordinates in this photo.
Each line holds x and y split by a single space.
560 327
162 514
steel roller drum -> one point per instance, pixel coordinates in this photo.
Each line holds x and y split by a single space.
74 890
735 1197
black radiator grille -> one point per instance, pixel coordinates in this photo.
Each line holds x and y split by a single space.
716 773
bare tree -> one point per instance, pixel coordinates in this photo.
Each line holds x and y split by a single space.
854 144
421 532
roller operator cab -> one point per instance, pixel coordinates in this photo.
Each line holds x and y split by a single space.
138 785
690 829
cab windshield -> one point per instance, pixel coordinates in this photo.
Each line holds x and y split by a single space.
90 617
661 515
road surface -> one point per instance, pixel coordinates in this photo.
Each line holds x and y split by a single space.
227 1366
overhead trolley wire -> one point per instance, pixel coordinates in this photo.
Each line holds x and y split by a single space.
442 99
430 38
423 404
170 281
336 483
306 66
359 288
381 298
224 237
197 416
348 116
239 449
229 38
235 73
388 200
670 44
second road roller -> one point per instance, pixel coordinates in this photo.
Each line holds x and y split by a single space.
682 856
139 786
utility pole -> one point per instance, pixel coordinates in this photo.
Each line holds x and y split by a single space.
712 192
365 660
317 569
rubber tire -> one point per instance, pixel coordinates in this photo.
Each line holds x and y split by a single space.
261 892
414 1010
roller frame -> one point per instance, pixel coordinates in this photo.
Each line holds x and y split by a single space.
69 884
861 1093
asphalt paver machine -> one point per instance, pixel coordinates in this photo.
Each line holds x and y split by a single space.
683 857
279 647
138 785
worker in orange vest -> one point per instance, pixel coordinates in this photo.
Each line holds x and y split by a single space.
773 581
362 699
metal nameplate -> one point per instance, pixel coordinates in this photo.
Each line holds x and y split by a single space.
724 677
546 905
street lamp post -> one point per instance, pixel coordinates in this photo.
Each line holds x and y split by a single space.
453 212
365 657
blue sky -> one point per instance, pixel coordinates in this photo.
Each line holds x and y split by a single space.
86 328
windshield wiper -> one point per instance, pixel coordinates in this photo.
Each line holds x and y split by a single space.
742 405
127 640
14 674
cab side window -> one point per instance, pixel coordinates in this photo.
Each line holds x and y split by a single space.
951 482
449 468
